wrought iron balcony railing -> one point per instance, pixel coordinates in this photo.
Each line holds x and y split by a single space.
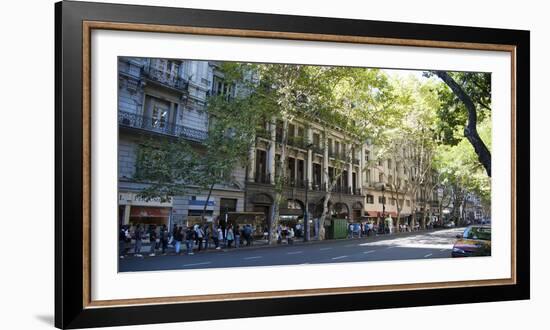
342 189
263 178
317 149
166 78
263 133
133 120
298 142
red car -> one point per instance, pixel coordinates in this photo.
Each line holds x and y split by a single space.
474 242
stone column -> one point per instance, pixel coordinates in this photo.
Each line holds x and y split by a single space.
271 151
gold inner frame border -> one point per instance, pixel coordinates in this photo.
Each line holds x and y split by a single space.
88 26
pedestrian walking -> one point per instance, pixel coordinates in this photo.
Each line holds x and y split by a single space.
218 238
279 234
152 240
248 234
237 237
229 236
178 238
389 224
206 236
123 239
190 240
200 236
290 236
163 237
138 235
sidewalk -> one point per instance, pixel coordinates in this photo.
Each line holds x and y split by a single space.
262 243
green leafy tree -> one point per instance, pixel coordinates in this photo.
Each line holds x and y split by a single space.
466 101
174 167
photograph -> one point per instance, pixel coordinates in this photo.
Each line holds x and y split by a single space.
246 164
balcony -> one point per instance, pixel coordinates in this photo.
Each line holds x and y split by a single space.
166 78
318 149
342 189
298 142
263 133
263 178
355 161
132 120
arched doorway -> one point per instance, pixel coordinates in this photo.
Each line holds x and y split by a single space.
340 210
291 211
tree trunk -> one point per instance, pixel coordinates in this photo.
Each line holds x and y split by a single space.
279 186
470 130
324 215
203 216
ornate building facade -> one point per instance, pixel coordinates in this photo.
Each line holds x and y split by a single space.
166 98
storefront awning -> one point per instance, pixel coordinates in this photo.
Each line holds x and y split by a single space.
149 212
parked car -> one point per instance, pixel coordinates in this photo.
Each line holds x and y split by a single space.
474 242
450 224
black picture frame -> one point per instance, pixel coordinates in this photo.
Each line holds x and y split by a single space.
70 181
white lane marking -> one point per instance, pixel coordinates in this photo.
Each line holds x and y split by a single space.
198 264
295 252
340 257
324 249
390 247
442 250
367 252
250 258
428 255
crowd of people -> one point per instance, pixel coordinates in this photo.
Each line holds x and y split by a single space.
200 237
192 239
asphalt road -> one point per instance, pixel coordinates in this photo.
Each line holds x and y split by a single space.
418 245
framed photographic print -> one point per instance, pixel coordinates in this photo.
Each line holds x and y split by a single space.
259 164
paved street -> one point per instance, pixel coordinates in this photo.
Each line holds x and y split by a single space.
417 245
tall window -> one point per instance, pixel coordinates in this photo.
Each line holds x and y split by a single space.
221 87
317 174
279 131
159 116
261 166
370 199
291 132
316 140
300 132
